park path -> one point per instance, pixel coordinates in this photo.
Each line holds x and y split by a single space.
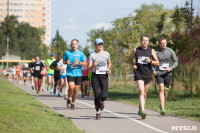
117 117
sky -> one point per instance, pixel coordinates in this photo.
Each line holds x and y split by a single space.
75 18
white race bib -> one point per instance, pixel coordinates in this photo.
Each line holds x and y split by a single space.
37 68
73 65
101 70
163 66
142 60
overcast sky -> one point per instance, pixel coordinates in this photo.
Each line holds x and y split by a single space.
75 18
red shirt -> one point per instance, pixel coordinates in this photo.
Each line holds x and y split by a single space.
84 69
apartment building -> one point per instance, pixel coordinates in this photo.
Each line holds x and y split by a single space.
35 12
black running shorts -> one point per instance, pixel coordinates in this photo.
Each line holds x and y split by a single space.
76 80
164 79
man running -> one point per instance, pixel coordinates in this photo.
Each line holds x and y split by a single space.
63 78
163 73
74 59
25 70
18 70
38 66
84 80
56 73
31 68
100 64
50 72
145 57
14 72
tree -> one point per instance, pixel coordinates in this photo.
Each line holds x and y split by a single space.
58 44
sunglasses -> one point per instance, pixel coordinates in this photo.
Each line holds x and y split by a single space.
100 44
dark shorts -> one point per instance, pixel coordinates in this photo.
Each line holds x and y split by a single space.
56 78
146 80
164 79
76 80
37 75
25 75
84 78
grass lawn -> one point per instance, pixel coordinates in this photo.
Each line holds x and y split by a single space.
177 104
21 113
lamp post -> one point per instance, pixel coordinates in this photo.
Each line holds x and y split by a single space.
7 40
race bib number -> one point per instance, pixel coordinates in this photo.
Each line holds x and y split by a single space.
142 60
163 66
37 68
73 65
101 70
84 67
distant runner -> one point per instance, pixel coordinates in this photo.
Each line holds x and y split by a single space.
31 68
50 78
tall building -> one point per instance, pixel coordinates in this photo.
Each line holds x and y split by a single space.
35 12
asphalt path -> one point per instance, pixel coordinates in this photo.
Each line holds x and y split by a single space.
117 117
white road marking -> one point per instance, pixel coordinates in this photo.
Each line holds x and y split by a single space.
132 119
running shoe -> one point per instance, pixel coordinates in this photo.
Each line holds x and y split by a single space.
162 112
51 91
139 111
37 94
59 94
65 98
101 106
88 94
143 115
160 107
98 115
72 107
68 103
54 92
48 88
82 96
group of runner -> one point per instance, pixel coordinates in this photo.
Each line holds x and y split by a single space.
76 69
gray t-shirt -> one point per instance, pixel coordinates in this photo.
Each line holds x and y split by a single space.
102 60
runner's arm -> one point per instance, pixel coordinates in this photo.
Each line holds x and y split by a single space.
175 59
154 62
132 57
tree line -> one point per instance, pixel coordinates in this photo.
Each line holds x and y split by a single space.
180 26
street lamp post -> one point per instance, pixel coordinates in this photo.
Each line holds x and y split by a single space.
7 40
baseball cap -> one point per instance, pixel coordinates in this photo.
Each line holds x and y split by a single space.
52 54
98 41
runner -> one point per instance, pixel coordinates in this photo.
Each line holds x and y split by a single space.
56 73
163 73
74 59
84 80
50 78
43 73
63 78
31 68
100 64
145 57
14 72
38 66
25 70
18 70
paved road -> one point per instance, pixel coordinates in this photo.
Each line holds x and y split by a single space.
116 118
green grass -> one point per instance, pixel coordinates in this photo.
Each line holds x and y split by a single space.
178 103
21 113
